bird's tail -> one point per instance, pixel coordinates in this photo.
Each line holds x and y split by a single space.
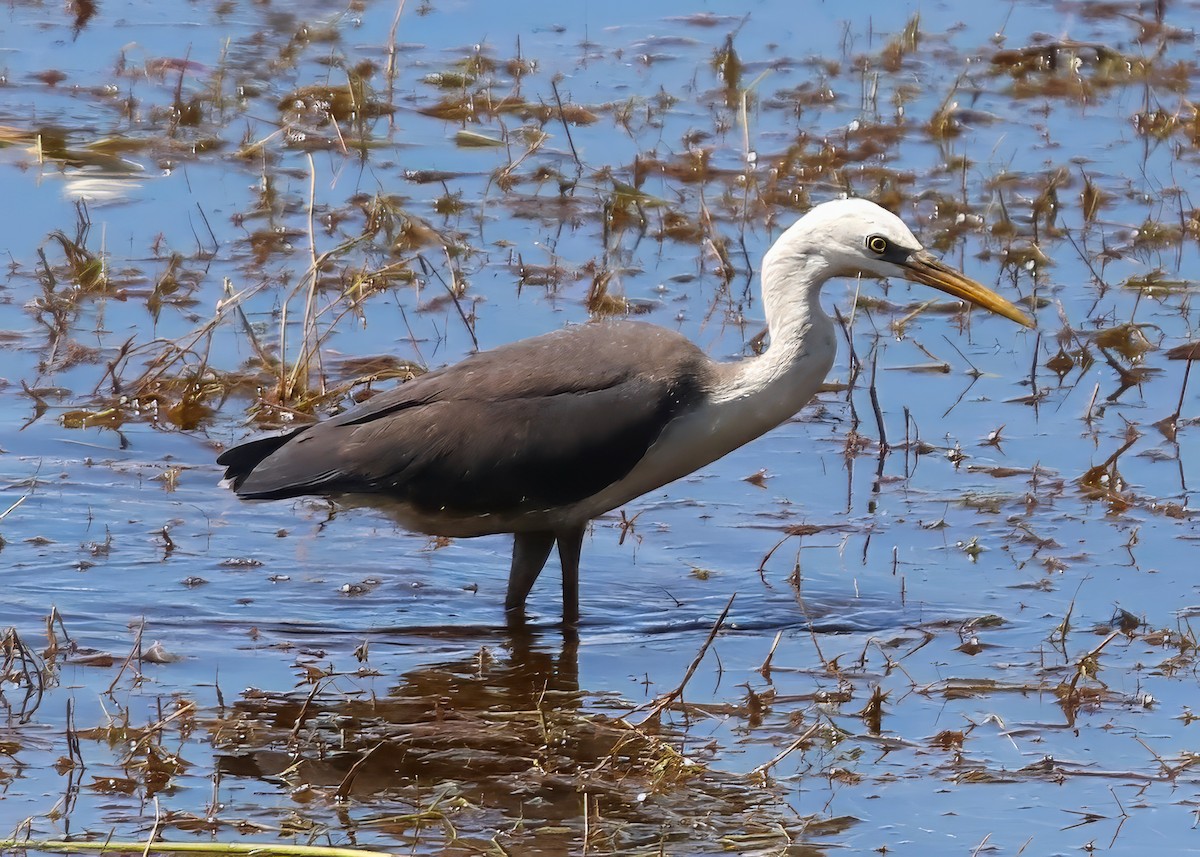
240 461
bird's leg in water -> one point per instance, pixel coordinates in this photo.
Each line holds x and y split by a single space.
529 555
570 543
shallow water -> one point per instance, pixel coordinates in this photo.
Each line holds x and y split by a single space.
1047 149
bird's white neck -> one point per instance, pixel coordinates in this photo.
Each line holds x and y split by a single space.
748 397
803 344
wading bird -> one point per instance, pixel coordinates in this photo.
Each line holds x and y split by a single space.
538 437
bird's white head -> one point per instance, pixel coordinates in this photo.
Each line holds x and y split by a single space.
847 237
856 237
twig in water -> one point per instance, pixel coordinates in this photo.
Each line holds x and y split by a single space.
1084 665
566 126
979 848
666 699
303 713
343 790
1033 387
785 752
136 649
390 73
153 830
18 502
453 288
1089 415
883 442
974 373
765 669
144 741
309 341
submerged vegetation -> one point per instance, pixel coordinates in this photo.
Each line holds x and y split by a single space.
967 565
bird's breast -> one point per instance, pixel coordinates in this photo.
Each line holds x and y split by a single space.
713 428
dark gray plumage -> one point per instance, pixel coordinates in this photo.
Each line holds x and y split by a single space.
529 426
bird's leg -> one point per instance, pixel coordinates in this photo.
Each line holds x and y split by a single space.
529 555
570 543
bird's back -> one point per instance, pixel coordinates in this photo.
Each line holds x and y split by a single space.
537 424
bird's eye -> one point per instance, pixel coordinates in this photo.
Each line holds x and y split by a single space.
877 244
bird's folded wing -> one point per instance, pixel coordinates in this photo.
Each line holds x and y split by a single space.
538 424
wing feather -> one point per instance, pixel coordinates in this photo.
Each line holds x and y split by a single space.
539 423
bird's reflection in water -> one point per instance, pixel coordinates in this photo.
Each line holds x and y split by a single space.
475 717
502 740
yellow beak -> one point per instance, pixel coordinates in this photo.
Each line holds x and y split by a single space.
925 268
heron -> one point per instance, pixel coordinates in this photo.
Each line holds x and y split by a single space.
539 437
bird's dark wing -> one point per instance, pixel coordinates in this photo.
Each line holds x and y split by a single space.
539 423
